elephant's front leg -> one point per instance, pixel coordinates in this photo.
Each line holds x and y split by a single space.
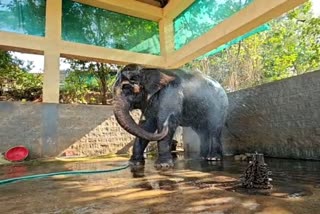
165 159
140 145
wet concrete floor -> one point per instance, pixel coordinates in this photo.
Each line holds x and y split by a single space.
193 186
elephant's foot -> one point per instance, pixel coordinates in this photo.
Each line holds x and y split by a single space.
136 162
164 164
212 158
137 171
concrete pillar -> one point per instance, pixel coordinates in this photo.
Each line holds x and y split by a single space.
51 77
52 51
166 36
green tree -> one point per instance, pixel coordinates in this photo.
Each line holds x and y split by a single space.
291 47
89 25
94 26
23 16
202 16
15 81
85 77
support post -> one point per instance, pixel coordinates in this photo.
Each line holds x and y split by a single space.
166 37
52 51
166 29
51 78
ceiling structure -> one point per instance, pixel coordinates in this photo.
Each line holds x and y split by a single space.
157 3
254 15
53 46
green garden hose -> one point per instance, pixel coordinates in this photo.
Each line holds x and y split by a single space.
81 172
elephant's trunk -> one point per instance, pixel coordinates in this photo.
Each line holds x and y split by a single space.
121 112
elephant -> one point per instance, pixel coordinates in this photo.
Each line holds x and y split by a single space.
169 98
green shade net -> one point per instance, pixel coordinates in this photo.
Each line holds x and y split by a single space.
235 41
202 16
90 25
23 16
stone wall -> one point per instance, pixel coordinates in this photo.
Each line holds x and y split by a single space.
58 129
49 129
280 119
106 138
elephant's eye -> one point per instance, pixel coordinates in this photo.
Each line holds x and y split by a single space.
134 79
126 87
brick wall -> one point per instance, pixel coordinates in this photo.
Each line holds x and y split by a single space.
48 129
58 129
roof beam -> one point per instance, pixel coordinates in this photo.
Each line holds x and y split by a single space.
128 7
176 7
38 45
152 2
254 15
22 43
109 55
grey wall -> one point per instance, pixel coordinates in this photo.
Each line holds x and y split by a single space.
57 129
49 129
280 119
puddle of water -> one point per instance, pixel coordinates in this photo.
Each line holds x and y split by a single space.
158 185
289 177
25 168
193 186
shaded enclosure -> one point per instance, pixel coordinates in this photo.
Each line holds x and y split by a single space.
280 119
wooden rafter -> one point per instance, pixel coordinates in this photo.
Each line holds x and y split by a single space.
151 2
22 43
166 29
37 45
128 7
101 54
166 37
175 7
254 15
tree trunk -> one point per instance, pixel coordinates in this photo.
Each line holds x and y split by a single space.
103 90
103 83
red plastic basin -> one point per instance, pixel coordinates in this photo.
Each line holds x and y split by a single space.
17 153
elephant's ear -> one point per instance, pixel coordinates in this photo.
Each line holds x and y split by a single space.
154 80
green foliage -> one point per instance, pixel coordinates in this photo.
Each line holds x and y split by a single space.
202 16
88 82
291 47
89 25
15 82
23 16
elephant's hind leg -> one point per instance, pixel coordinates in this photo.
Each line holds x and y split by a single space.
210 145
